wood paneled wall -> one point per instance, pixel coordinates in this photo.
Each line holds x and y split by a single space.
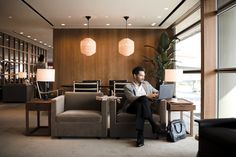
107 63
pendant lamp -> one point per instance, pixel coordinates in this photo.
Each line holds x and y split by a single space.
126 45
88 45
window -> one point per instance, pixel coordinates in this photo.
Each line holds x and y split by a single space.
226 65
188 56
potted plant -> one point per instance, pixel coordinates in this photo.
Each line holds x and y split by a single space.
162 59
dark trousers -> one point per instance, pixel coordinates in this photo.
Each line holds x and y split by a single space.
142 108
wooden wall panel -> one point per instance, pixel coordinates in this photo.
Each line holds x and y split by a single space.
208 59
106 63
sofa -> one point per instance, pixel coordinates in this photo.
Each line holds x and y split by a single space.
123 124
17 92
78 114
217 137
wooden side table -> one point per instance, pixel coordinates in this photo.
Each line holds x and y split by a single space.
181 105
38 105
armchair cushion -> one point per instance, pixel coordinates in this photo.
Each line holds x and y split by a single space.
80 116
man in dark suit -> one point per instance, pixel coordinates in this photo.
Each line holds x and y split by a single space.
140 95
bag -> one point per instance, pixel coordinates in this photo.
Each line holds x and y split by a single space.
176 130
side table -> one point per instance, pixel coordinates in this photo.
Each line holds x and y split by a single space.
181 105
38 105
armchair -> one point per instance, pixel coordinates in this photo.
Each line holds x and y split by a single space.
217 137
86 86
123 124
78 114
43 94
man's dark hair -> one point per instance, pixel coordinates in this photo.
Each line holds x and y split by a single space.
137 69
41 58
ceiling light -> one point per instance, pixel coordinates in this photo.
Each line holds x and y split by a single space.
88 45
153 24
69 17
126 45
129 24
106 16
158 17
10 17
21 32
35 39
45 44
85 24
29 36
108 24
166 8
40 42
63 24
49 46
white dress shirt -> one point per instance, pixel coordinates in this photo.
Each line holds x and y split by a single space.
140 90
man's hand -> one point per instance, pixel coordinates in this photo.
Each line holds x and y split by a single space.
152 96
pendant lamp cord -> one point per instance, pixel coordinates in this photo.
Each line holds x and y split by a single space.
126 18
88 17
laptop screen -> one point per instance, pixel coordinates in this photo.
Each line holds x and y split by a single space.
166 91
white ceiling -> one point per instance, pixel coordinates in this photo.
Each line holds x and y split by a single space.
142 14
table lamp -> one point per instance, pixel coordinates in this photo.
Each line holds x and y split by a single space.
172 76
44 75
22 76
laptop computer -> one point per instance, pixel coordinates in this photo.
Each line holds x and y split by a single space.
166 91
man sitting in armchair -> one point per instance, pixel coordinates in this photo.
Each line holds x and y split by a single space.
140 94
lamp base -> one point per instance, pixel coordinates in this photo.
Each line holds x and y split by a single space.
174 99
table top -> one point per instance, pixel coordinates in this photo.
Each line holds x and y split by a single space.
181 101
39 101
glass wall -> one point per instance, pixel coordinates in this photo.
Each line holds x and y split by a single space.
226 66
188 56
17 56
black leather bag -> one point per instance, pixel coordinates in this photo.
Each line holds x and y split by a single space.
176 130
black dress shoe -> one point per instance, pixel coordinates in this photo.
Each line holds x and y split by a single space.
139 144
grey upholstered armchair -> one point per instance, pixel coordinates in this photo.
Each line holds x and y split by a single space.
123 124
79 114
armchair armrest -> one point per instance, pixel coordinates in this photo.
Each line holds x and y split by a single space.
222 122
104 112
162 111
113 112
58 105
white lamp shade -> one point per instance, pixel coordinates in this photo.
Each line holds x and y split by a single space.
126 47
22 75
45 75
173 75
88 46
